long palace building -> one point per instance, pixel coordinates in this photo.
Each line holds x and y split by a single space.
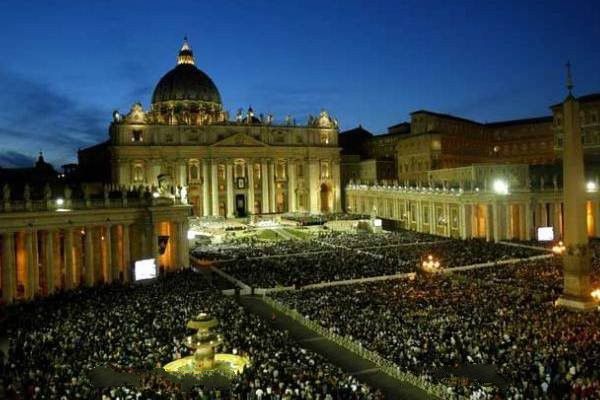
456 177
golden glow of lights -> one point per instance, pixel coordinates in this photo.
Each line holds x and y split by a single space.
596 294
431 264
558 248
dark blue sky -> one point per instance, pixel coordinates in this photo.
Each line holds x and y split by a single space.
64 68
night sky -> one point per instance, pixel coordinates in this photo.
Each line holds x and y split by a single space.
64 69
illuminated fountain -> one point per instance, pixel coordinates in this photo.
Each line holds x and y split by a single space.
205 360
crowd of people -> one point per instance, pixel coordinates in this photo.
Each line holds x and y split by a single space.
503 318
249 247
55 343
382 254
366 240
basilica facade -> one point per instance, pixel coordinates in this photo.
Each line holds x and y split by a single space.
186 144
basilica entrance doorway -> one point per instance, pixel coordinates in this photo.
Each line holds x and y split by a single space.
240 205
325 194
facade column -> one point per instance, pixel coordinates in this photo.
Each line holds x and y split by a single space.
313 186
205 194
90 273
291 185
214 186
108 261
250 174
229 186
337 188
116 240
69 258
264 186
522 227
272 187
8 267
181 166
126 254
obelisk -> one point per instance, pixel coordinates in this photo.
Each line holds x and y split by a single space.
576 258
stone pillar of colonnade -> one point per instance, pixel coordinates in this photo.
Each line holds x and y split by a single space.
543 214
432 218
49 261
596 213
182 244
272 187
214 186
419 216
496 221
558 225
264 173
250 175
205 191
9 270
88 248
116 250
291 185
69 252
31 263
153 228
489 233
528 220
125 235
229 186
522 219
465 221
448 226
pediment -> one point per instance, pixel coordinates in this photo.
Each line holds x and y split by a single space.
239 140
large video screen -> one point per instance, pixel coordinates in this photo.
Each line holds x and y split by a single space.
145 269
545 234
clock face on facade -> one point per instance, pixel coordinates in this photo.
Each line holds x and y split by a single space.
241 183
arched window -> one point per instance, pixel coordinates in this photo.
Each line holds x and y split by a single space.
194 172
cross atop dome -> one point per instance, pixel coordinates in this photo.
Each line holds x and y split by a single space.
185 56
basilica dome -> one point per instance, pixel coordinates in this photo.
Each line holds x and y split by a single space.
186 82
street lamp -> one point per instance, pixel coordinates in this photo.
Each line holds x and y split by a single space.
500 186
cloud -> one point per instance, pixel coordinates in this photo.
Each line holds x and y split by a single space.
14 159
32 114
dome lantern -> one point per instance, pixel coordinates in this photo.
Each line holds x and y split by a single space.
185 56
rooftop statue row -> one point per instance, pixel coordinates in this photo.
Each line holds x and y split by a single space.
194 114
32 198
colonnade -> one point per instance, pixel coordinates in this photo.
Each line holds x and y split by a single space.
37 262
471 215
